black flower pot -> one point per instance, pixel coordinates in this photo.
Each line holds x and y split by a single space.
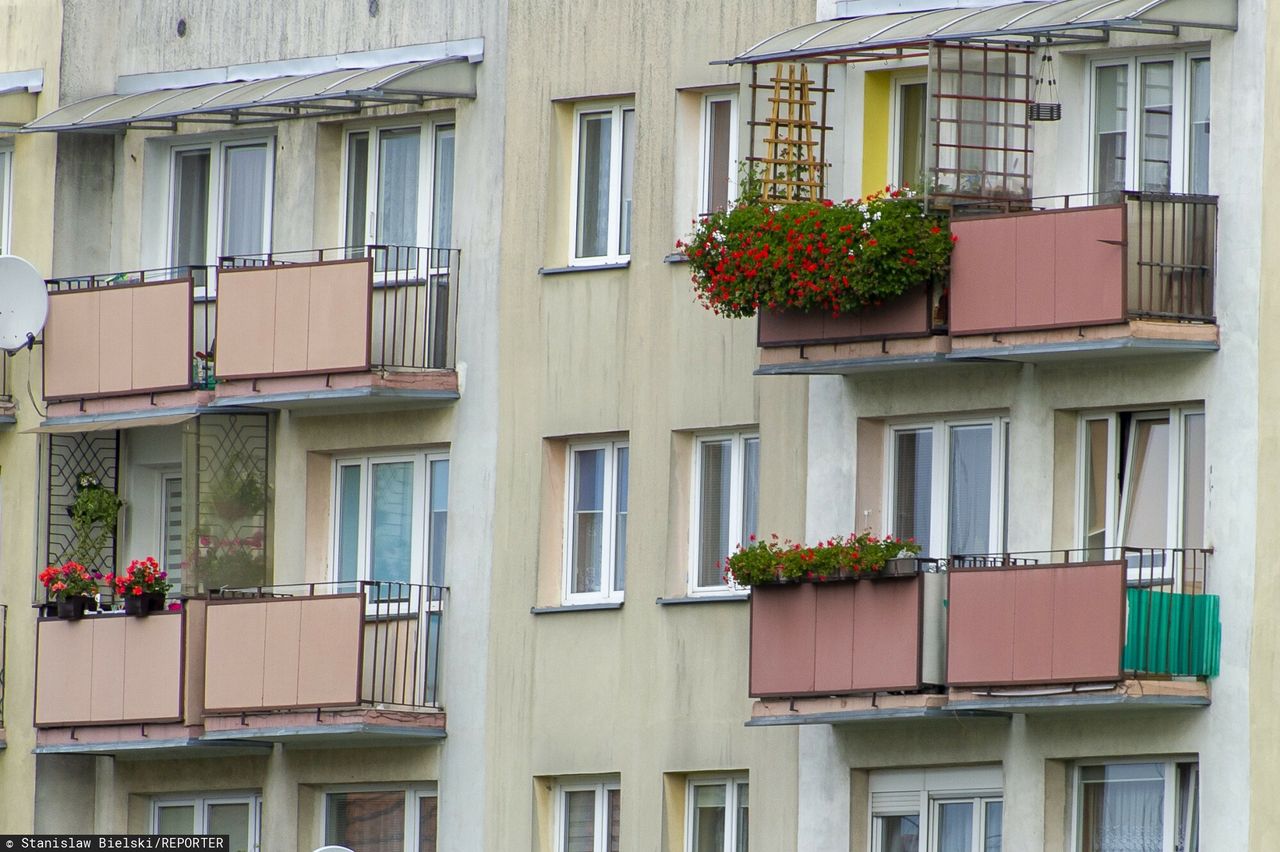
72 608
144 604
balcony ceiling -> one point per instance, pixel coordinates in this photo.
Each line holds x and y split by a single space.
874 36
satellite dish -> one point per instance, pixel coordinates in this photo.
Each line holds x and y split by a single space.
24 303
333 849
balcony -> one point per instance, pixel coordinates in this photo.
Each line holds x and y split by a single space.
329 329
315 666
1056 283
1023 633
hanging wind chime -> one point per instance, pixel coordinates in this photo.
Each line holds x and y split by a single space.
1044 105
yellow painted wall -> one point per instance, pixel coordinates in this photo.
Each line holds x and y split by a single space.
877 96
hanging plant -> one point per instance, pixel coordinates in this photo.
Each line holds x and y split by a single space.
94 514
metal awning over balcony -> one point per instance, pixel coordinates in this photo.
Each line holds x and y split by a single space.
258 101
873 36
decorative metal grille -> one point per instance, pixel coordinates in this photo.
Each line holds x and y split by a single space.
230 547
94 453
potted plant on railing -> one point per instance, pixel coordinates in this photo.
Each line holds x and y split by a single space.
72 586
774 560
143 586
819 257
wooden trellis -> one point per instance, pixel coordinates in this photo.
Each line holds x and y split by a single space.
793 165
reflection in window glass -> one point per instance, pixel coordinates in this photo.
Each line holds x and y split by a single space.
190 208
1156 137
231 819
912 478
588 519
366 821
718 145
175 819
357 189
1146 496
955 827
1199 119
439 520
1111 117
391 537
622 460
1122 807
899 833
594 139
969 501
716 476
912 117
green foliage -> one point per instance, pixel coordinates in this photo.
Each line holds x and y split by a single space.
94 513
774 560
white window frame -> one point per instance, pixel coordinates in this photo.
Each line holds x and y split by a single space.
613 253
730 783
737 480
1169 802
939 518
200 805
704 154
922 797
601 789
1180 121
217 148
420 546
6 197
608 560
915 76
413 796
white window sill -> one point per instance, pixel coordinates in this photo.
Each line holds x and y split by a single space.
582 607
584 267
726 597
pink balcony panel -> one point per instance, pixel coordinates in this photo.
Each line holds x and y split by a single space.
1038 624
906 316
109 670
1038 270
836 638
296 319
109 341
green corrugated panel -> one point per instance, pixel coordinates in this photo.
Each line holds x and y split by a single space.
1172 634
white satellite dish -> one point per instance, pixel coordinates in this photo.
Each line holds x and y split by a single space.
24 303
333 849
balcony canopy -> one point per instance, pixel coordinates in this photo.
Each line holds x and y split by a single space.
875 36
258 101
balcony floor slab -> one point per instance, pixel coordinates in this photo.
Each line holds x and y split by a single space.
141 742
330 728
1133 338
858 709
341 393
1128 695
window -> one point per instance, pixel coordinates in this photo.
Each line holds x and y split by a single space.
604 149
220 201
1151 124
588 817
937 810
382 820
1145 807
399 186
716 815
719 174
910 119
946 485
596 522
237 816
171 537
726 485
6 198
391 518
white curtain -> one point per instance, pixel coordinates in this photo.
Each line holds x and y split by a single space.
715 478
969 500
244 202
397 223
190 208
955 827
1123 808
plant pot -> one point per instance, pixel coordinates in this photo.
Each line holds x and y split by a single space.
144 604
72 608
902 567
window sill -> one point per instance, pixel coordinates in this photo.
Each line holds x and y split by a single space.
676 257
552 610
737 597
586 267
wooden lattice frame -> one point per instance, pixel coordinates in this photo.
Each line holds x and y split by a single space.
793 167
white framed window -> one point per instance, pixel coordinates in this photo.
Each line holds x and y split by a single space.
6 198
398 185
220 200
716 811
604 151
946 484
907 145
1150 123
937 810
391 515
1146 804
237 816
382 819
171 536
725 511
588 817
596 522
718 169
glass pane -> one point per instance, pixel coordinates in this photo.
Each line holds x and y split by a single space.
442 191
1157 125
439 521
750 489
899 833
912 111
741 845
357 189
622 475
714 495
969 497
190 213
1146 485
708 818
391 539
588 520
245 179
615 819
580 821
1111 120
993 827
1095 488
231 820
625 204
6 198
594 134
175 819
912 478
1122 808
172 534
427 807
955 827
348 522
719 134
1188 817
1198 133
365 822
1193 480
398 157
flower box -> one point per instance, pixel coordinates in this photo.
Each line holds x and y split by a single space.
908 315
